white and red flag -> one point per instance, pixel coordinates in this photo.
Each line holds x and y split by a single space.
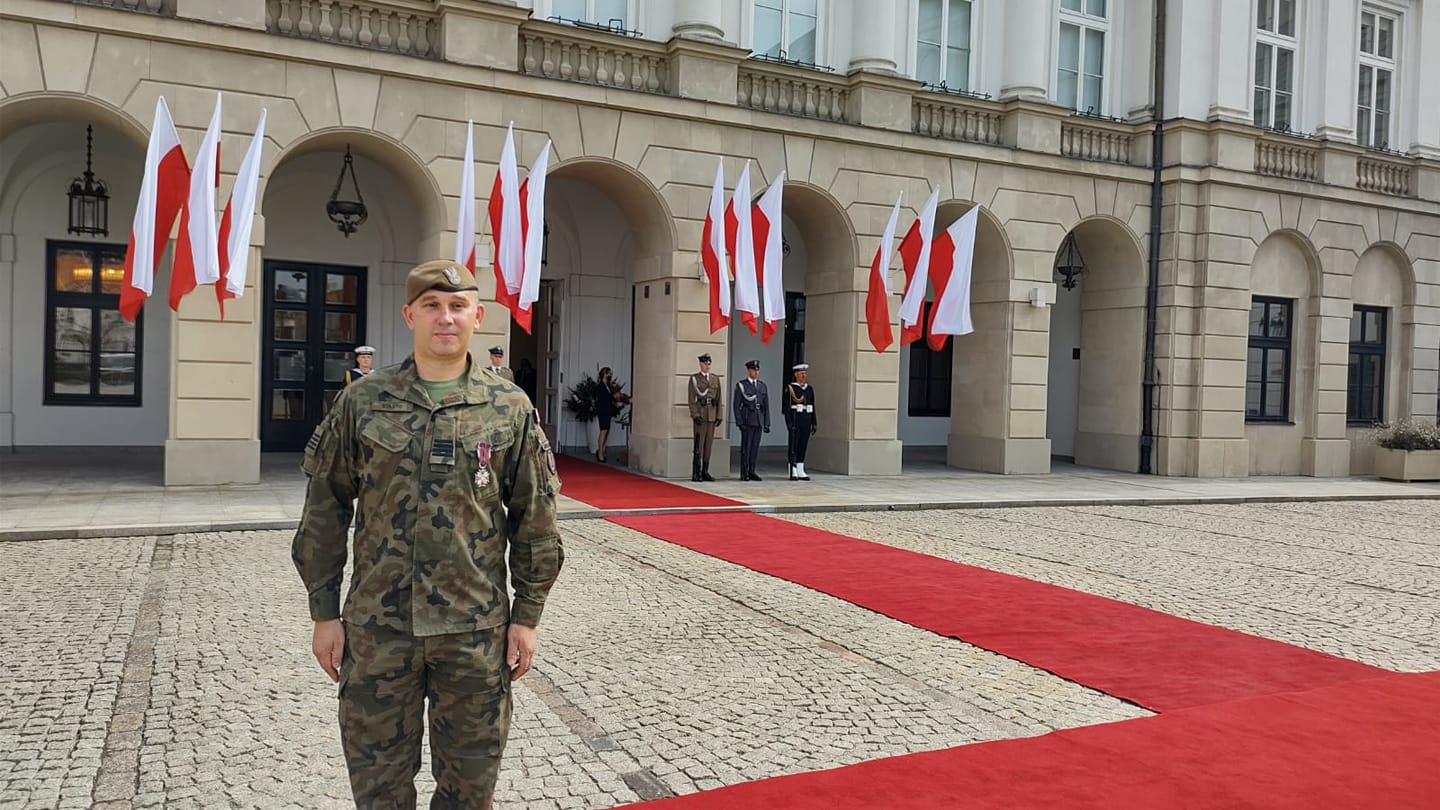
238 221
769 258
740 243
507 231
713 253
951 261
915 251
877 297
162 194
197 250
465 217
533 195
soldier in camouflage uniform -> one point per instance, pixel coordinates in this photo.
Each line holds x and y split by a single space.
446 471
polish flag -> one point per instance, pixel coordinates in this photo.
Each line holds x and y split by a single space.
877 298
533 193
769 259
465 219
952 259
238 220
162 194
506 230
915 251
197 251
712 253
740 243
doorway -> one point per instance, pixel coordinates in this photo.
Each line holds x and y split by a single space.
314 318
535 357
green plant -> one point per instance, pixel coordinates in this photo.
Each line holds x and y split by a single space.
1408 434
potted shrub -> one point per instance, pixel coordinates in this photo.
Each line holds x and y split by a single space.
580 402
1408 450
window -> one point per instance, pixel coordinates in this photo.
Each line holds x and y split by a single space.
942 44
1080 77
786 28
1275 45
1267 367
930 375
599 12
92 355
1377 79
1365 394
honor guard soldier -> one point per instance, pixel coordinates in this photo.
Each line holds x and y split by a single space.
800 420
497 364
364 363
752 415
707 413
447 476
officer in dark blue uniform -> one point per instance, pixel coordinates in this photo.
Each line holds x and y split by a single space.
752 415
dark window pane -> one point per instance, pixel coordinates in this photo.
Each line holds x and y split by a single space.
287 404
1367 33
1257 319
341 288
74 271
290 325
72 373
336 364
1275 361
1287 17
72 328
117 373
1357 320
1278 323
112 272
290 365
340 327
291 285
1374 327
1252 398
116 333
1275 400
1254 365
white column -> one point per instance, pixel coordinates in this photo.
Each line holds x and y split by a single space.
1339 68
1234 28
873 44
699 19
1027 49
1423 41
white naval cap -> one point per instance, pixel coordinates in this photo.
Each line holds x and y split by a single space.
364 349
800 367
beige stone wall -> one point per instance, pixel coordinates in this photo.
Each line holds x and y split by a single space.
653 157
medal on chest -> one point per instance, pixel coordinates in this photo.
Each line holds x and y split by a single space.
482 472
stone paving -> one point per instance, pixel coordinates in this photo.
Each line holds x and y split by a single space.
175 671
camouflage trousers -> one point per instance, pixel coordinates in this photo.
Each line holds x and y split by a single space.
385 681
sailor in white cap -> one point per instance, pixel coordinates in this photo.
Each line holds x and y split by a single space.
800 420
364 363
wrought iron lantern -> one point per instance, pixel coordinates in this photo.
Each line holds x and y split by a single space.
347 214
89 198
1069 263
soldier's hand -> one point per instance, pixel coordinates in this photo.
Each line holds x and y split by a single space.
699 421
519 650
328 645
718 421
767 428
813 428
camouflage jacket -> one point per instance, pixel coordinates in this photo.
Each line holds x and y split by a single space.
439 493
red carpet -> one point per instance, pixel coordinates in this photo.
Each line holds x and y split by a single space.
1158 661
609 487
1365 744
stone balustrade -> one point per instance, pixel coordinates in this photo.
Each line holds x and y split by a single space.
957 118
792 91
397 26
1291 159
164 8
1395 177
1097 140
576 54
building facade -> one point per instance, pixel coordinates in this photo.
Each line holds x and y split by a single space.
1249 308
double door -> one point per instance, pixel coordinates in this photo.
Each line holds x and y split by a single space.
314 318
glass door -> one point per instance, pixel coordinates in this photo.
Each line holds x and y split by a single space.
314 319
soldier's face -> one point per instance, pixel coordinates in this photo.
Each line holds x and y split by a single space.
443 322
753 372
364 361
704 367
800 376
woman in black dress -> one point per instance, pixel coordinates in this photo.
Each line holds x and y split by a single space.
605 408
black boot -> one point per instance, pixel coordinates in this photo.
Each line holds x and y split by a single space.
705 473
754 477
695 467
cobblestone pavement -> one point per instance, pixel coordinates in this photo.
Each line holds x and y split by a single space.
175 671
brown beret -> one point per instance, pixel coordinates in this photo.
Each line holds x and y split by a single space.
441 274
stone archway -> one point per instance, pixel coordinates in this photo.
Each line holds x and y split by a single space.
1281 433
1381 384
42 149
1097 340
611 303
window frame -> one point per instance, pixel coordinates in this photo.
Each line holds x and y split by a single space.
96 302
589 17
1084 21
821 15
921 353
1367 351
944 44
1266 344
1374 62
1276 41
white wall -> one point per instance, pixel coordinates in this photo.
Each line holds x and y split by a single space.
36 167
